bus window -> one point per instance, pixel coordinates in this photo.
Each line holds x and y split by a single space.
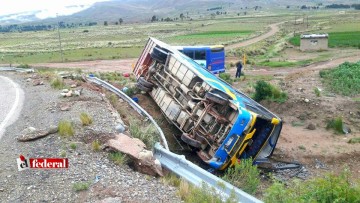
189 53
200 55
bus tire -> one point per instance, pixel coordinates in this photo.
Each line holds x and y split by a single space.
159 55
216 98
190 141
143 88
145 83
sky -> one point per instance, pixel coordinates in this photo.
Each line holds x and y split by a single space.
49 7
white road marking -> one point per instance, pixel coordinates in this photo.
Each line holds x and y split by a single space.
15 109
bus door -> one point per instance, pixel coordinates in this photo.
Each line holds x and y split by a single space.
216 59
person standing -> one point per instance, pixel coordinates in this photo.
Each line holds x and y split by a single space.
238 69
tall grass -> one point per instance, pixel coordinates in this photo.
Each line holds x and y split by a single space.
66 128
331 188
244 175
145 132
335 124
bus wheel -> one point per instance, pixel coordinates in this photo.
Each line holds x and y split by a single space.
145 83
216 98
190 141
159 55
143 88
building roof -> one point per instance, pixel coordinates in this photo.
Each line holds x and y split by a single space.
314 36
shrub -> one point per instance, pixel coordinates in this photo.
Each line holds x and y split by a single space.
335 124
266 91
226 77
81 186
204 193
73 146
57 83
244 175
118 158
96 145
66 128
331 188
85 119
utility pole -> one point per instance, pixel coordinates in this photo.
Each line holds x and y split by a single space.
61 51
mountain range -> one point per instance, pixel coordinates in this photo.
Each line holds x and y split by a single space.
143 10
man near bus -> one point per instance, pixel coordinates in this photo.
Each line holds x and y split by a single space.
238 69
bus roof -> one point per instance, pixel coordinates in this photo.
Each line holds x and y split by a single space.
200 47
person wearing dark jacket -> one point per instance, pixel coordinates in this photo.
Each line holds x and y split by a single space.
238 69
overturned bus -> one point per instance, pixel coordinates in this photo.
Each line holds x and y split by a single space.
221 123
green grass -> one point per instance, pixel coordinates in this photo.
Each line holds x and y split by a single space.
71 55
354 140
203 194
337 39
73 146
335 124
266 91
81 186
277 64
344 80
118 158
317 92
331 188
145 132
57 83
85 119
66 128
209 37
244 175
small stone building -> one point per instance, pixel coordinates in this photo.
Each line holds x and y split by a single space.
314 42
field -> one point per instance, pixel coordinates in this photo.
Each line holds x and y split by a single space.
116 42
337 39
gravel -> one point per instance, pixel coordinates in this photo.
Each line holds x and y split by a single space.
108 182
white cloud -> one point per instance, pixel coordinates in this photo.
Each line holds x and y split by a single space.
49 7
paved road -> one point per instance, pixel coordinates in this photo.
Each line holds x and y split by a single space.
11 100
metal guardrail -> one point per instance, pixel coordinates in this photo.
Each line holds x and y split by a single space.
197 176
178 163
24 70
132 103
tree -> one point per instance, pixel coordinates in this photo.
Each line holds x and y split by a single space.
121 21
105 23
182 16
153 18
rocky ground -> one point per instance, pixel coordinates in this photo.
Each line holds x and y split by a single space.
107 181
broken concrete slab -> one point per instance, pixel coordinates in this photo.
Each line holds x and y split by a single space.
144 160
31 134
